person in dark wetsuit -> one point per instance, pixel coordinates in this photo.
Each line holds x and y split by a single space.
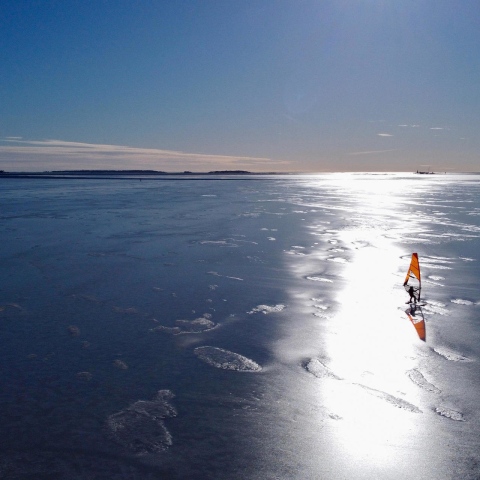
412 295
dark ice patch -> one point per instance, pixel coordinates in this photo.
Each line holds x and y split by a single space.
128 310
10 308
88 298
69 463
73 330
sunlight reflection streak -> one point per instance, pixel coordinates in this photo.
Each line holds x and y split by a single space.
372 348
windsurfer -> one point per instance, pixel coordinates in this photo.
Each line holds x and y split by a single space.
411 292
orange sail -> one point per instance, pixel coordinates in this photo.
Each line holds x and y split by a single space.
414 268
414 271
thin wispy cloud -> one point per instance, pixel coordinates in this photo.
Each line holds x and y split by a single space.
371 152
60 154
384 134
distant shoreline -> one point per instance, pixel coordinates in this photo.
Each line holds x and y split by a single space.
133 174
185 175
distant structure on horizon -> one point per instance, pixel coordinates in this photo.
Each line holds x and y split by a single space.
425 170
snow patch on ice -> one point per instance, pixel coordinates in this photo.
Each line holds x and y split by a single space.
319 279
120 364
417 377
449 413
436 307
221 243
199 325
439 259
317 368
226 360
436 277
140 427
395 401
460 301
334 416
450 355
337 259
216 274
266 309
360 244
435 266
295 252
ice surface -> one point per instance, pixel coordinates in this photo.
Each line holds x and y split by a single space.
297 278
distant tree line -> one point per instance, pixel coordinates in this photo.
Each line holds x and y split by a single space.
127 172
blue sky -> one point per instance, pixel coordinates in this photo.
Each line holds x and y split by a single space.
299 85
